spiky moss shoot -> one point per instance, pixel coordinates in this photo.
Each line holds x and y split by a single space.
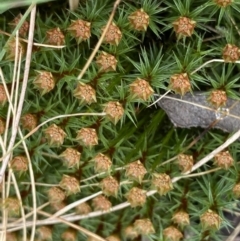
109 186
55 135
83 209
2 126
56 194
19 164
223 3
231 53
218 98
44 233
44 82
87 137
101 203
3 96
23 30
140 89
70 185
172 234
162 183
135 171
55 37
29 121
69 235
13 206
71 157
113 34
224 160
113 238
184 26
114 111
130 233
106 62
136 197
185 162
210 220
102 163
181 218
144 226
139 20
80 30
11 46
236 190
85 94
11 236
180 83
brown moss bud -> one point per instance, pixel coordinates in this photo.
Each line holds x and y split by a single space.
29 121
101 203
3 96
11 49
136 197
130 233
106 62
55 135
44 82
71 157
55 37
11 236
223 3
223 159
210 220
56 206
144 226
70 185
19 164
56 194
139 20
218 98
13 206
236 190
109 186
23 30
113 34
135 171
83 209
85 93
87 137
141 89
44 233
231 53
172 234
114 111
162 183
185 162
181 218
184 26
2 126
113 238
69 235
102 163
180 83
80 30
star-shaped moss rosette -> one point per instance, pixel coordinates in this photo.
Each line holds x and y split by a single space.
184 26
55 135
139 20
87 137
23 30
29 121
56 194
210 220
136 197
55 37
70 185
180 83
83 209
218 98
19 164
44 233
3 96
101 203
109 186
181 218
162 183
80 30
224 160
85 94
144 226
114 111
71 157
223 3
106 62
135 171
102 163
185 162
171 233
44 82
231 53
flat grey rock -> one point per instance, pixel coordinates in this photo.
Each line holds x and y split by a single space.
186 115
